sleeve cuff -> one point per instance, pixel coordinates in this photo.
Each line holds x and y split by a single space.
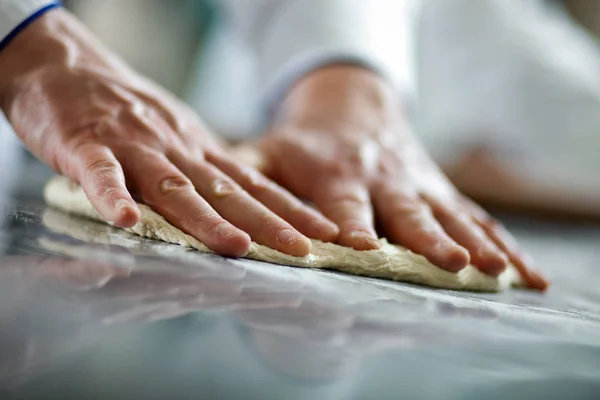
17 15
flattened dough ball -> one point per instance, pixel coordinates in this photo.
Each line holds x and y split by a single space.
390 262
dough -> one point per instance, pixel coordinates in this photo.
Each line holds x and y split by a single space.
391 262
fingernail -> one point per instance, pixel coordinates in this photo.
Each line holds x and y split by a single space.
222 188
288 236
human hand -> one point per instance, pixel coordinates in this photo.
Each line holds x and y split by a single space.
88 115
342 143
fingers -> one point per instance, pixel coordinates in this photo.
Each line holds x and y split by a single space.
409 222
348 204
101 177
302 217
505 242
485 255
241 209
169 192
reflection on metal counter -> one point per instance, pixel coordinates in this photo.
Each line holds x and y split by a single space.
90 312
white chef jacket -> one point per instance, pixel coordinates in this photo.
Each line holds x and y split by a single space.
292 37
264 46
14 14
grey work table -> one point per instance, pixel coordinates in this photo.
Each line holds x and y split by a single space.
89 312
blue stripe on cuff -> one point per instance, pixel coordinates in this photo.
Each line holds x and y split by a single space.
28 21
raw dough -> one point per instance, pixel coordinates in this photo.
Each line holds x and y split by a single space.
391 262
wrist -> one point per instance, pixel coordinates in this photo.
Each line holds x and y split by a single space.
340 95
43 41
18 15
55 41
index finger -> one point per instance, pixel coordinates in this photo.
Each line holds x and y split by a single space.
101 177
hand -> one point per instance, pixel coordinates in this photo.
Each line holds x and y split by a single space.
89 116
342 143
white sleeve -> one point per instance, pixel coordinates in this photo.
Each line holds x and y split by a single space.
13 13
293 37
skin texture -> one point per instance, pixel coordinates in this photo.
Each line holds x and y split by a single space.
89 116
341 142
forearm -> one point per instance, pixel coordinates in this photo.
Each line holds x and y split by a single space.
43 54
55 38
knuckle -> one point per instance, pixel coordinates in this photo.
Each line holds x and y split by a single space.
349 200
208 221
103 165
426 229
459 217
107 191
254 182
492 222
174 183
274 225
224 187
270 223
405 209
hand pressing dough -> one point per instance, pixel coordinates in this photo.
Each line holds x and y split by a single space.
391 262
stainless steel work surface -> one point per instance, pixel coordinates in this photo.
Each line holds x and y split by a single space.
91 312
